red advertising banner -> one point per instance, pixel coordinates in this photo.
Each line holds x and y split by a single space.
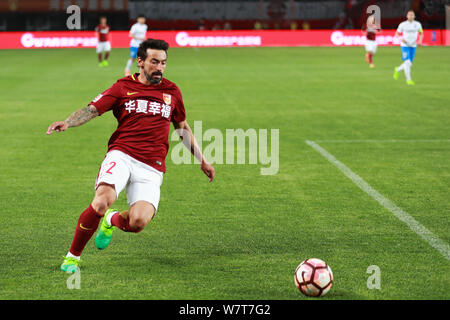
242 38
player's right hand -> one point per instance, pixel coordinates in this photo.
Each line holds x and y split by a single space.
57 126
208 169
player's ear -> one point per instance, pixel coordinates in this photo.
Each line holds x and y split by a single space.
140 62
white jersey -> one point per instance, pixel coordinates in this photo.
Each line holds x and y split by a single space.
138 30
410 31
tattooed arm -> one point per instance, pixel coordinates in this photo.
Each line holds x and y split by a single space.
76 119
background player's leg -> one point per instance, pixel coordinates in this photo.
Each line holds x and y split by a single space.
404 58
133 55
370 58
128 66
105 59
401 67
88 222
407 64
99 57
408 70
107 49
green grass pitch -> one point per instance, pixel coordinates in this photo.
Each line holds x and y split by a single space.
242 236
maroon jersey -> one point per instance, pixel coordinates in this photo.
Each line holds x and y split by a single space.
371 31
371 35
144 113
103 32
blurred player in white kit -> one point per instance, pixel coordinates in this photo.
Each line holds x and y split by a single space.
137 34
409 29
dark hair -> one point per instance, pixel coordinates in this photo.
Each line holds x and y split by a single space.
102 17
140 16
151 44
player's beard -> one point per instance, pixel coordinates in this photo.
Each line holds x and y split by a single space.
150 77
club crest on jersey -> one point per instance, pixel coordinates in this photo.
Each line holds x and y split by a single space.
167 98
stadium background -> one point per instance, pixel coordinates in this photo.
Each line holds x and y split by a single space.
243 19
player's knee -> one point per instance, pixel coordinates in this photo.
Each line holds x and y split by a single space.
101 204
138 224
105 196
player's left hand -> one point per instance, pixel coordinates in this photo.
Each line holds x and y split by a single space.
57 126
208 169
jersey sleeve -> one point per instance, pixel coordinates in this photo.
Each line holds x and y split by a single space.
179 113
400 28
133 29
106 100
420 27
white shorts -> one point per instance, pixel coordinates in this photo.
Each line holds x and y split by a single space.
103 46
141 180
371 46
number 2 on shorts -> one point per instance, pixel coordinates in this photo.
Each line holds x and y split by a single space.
110 168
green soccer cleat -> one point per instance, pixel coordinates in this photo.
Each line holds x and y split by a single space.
410 83
395 73
100 64
70 265
105 232
105 63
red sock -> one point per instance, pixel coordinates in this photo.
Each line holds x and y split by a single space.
370 57
86 227
120 222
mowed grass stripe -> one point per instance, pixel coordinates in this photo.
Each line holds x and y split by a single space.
402 215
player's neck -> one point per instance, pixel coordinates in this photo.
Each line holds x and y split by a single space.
142 79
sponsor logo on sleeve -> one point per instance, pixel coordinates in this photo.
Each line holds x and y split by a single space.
97 98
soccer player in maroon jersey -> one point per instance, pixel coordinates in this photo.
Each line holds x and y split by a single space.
144 104
371 44
103 45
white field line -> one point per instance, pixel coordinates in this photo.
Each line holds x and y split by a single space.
402 215
386 141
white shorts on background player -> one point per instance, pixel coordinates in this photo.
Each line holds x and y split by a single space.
142 182
103 46
371 46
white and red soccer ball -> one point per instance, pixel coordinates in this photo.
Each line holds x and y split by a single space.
313 277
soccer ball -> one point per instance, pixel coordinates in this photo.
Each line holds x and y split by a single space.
313 277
